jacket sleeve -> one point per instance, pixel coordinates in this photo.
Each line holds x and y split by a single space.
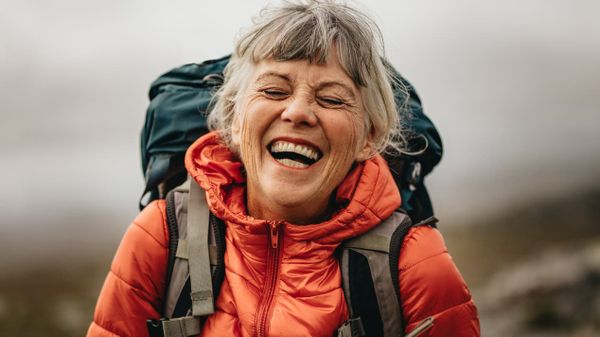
134 287
431 285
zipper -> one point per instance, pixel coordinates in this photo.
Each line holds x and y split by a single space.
271 276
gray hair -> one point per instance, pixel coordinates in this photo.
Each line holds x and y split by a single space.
308 30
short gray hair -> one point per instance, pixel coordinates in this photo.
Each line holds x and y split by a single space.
307 30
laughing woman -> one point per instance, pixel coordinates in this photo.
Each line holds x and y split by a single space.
293 169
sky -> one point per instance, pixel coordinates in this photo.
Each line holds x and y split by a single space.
511 85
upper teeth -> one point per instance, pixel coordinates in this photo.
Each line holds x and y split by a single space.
282 146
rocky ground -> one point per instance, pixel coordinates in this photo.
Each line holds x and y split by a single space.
534 271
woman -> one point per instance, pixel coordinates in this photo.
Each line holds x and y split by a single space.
293 168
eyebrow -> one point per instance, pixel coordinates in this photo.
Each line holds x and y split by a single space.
346 88
266 75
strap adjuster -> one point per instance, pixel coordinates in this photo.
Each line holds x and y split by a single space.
155 327
175 327
353 327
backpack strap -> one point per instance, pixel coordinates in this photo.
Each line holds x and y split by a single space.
199 262
369 266
180 320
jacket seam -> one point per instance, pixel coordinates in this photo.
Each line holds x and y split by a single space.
423 260
453 307
105 329
149 234
120 278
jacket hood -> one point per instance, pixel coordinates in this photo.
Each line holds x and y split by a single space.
365 197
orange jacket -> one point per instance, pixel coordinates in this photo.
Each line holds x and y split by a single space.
294 289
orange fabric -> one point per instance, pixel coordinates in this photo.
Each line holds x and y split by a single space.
294 289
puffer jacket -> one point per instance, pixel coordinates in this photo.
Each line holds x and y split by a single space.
281 279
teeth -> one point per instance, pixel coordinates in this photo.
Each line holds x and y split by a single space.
292 163
281 146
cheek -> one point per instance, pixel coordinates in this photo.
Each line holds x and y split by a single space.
252 126
247 145
345 136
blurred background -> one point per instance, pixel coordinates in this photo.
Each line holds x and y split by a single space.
513 87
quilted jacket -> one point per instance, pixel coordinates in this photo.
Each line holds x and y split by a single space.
293 289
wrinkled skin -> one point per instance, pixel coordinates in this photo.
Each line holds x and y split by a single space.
301 103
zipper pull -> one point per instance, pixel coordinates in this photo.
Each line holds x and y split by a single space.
274 233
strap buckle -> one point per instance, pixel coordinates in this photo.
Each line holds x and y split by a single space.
155 327
175 327
353 327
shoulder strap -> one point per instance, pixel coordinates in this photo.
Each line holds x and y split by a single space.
199 262
177 267
190 269
369 267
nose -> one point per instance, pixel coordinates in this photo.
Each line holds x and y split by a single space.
299 112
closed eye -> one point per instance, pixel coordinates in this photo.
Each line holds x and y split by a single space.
331 102
275 93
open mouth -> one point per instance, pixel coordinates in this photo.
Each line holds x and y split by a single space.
294 155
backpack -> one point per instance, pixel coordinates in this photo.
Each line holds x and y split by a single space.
369 265
176 117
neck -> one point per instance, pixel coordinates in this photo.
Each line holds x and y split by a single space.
260 207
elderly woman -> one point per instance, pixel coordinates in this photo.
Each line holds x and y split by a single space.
293 169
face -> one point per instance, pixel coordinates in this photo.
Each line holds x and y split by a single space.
299 129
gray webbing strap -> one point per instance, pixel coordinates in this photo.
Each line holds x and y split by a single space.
198 252
375 246
389 305
183 252
182 249
182 327
378 238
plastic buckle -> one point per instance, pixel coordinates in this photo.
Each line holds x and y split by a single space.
155 327
351 328
357 327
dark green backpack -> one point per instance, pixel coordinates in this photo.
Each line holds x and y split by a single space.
176 117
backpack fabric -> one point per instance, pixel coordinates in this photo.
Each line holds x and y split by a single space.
176 117
369 265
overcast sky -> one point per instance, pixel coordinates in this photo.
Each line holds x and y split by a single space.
513 87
